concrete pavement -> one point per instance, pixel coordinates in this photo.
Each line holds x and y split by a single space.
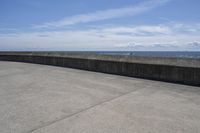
47 99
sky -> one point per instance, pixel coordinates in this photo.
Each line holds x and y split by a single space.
100 25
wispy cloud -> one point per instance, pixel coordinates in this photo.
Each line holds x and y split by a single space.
104 14
140 30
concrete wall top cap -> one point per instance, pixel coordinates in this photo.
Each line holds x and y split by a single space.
182 62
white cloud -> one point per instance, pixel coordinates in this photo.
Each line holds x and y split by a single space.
104 14
165 36
168 46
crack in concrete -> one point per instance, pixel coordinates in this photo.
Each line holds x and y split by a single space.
81 111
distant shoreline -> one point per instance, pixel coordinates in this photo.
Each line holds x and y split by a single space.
170 54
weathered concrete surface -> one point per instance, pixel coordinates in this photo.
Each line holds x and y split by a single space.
175 70
47 99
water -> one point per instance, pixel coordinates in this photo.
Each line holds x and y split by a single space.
176 54
173 54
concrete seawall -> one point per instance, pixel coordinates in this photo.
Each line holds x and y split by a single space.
176 70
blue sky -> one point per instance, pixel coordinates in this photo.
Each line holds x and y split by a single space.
100 25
